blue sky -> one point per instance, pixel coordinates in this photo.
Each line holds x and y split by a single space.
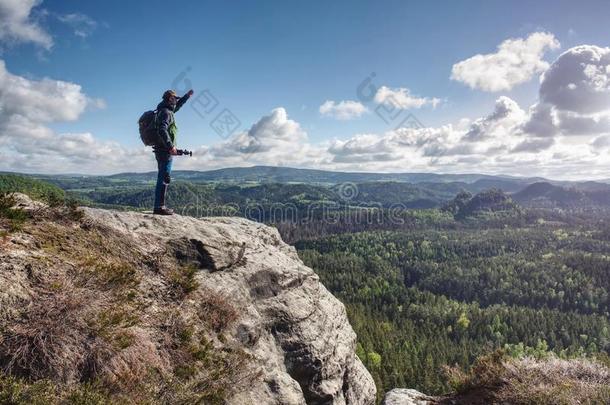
255 57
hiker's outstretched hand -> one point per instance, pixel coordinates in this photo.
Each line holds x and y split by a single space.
190 93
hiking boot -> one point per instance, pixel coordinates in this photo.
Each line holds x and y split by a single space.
163 211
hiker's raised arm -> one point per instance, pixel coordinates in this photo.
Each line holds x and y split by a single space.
183 100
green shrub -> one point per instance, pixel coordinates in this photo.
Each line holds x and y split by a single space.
15 217
182 280
17 391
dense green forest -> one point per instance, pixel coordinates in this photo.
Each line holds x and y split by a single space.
424 298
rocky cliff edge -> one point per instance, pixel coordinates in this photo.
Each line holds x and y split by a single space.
172 309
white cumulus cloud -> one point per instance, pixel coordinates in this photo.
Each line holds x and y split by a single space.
17 24
501 122
274 139
574 95
28 106
579 80
516 61
565 134
402 98
343 110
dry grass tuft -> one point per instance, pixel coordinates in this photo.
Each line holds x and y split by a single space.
136 370
114 275
203 372
216 310
558 381
50 338
499 379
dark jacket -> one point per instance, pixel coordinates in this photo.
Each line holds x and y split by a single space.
166 124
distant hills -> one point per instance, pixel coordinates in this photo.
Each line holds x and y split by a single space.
544 194
278 174
281 184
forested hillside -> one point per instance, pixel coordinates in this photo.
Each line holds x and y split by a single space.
425 298
10 183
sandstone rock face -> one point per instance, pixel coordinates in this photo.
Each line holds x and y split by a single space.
404 396
297 332
294 327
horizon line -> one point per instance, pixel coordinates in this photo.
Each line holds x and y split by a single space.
510 176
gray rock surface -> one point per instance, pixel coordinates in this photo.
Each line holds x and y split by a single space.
405 396
296 330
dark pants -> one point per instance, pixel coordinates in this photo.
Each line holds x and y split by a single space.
164 164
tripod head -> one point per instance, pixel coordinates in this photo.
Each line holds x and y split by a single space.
181 152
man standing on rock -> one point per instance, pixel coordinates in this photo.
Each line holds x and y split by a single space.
166 148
